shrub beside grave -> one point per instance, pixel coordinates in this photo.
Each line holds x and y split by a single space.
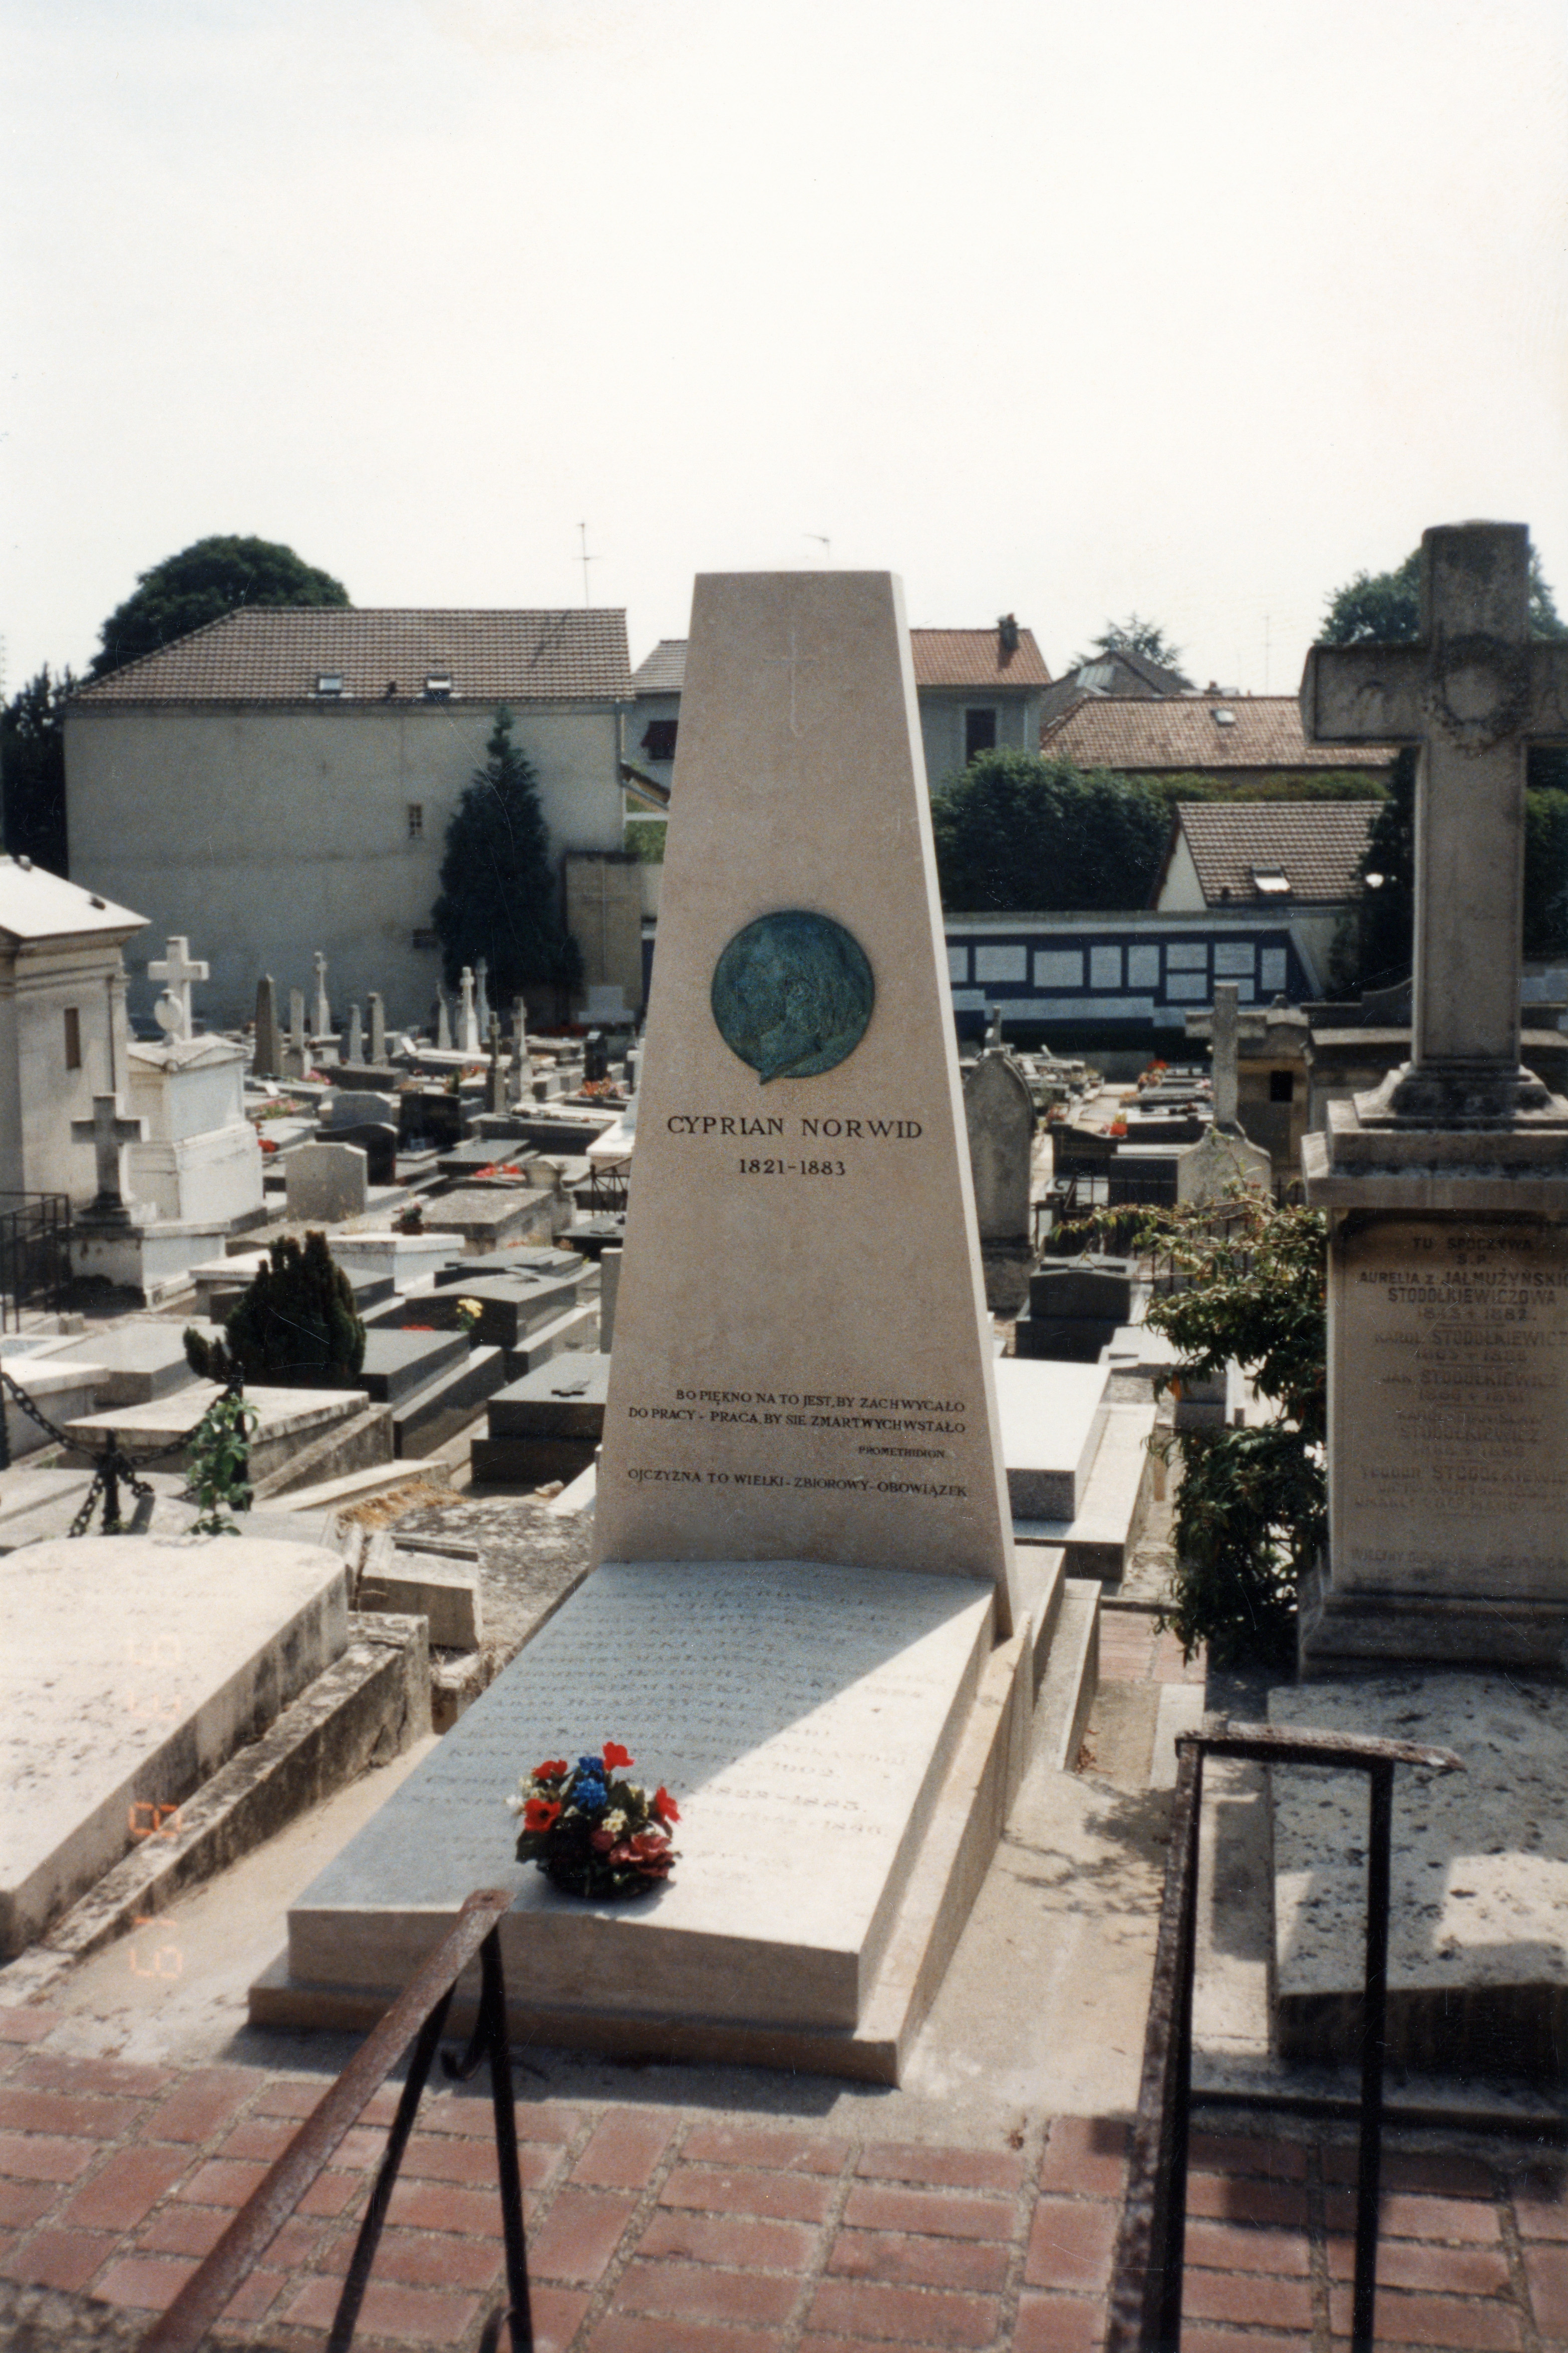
296 1326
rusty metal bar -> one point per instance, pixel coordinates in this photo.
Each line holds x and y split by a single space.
1374 2035
1144 2312
216 2281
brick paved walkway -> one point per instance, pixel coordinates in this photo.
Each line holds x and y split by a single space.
657 2229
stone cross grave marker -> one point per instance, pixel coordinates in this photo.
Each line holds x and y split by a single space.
1474 692
108 1135
1447 1186
802 1519
468 1018
322 1021
264 1060
377 1029
178 970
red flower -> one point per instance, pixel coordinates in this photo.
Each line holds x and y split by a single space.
550 1770
664 1805
616 1755
601 1841
646 1845
539 1813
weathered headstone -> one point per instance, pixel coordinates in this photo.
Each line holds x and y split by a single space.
802 1512
443 1024
1224 1157
326 1180
264 1062
178 970
353 1039
495 1077
468 1018
377 1030
999 1112
481 997
322 1014
1448 1187
519 1076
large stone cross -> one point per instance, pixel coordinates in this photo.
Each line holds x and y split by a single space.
178 970
108 1134
1474 692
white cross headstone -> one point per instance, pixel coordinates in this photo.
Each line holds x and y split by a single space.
468 1018
108 1135
1474 692
178 970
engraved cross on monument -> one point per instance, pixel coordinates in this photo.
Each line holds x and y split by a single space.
1473 693
178 970
108 1134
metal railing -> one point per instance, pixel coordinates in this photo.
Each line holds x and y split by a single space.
35 1254
1147 2274
416 2017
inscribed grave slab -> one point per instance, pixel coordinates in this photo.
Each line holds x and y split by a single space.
801 1714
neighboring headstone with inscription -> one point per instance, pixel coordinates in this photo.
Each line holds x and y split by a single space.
802 1357
1448 1187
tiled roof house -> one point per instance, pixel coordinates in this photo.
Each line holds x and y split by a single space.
1246 739
281 781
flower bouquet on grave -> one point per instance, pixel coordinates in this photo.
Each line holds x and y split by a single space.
592 1835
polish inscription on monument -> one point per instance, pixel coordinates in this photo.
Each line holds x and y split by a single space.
1449 1422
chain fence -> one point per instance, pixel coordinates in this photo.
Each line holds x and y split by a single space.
113 1467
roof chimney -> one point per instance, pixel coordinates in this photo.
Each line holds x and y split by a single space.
1007 631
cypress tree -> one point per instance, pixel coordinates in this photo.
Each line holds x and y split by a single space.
499 897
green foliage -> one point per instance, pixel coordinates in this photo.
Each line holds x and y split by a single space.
296 1327
33 770
1135 635
1384 607
1306 784
203 582
219 1454
499 897
1251 1511
1374 948
646 838
1017 832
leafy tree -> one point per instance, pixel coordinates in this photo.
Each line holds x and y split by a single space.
1383 607
33 771
296 1326
499 898
1135 635
1015 831
1251 1513
203 582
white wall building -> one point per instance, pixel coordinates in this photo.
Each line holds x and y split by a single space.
62 1026
281 781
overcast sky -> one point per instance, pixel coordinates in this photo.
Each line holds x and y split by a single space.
1060 307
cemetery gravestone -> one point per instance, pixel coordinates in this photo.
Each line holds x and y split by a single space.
443 1024
1447 1186
264 1062
326 1181
1224 1157
468 1018
322 1025
354 1041
377 1030
804 1539
999 1112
